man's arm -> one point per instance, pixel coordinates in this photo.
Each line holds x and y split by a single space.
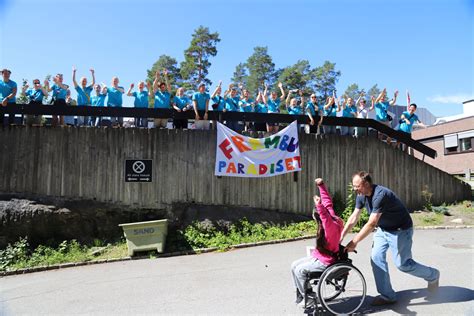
351 221
365 231
129 92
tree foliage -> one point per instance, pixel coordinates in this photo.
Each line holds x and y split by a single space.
373 92
326 78
240 75
261 69
169 63
353 91
196 64
298 76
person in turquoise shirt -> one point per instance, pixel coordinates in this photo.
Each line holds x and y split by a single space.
273 105
114 99
407 120
218 101
381 106
201 103
162 93
141 101
35 97
181 103
260 107
59 90
232 105
99 100
246 104
348 110
8 89
331 108
83 95
312 110
292 103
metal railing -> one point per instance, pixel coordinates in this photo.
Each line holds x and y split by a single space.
214 115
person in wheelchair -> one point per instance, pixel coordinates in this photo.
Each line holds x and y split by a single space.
329 231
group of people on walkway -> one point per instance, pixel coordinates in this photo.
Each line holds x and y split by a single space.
235 98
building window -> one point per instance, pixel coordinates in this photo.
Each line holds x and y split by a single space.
459 142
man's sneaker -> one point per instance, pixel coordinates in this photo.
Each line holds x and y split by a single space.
434 285
380 300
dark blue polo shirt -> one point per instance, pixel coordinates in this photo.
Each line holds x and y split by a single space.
394 213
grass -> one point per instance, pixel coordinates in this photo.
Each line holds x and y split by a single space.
196 236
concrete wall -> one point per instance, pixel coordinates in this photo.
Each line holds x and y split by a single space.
88 163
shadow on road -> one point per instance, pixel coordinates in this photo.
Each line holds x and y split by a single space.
445 294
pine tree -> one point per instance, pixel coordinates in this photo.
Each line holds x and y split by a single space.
326 78
195 67
261 69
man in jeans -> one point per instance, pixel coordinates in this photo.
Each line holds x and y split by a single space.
394 230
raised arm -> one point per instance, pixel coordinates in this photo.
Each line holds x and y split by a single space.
372 101
168 85
23 89
217 89
282 97
156 81
380 96
394 100
44 90
325 196
129 92
73 77
93 77
288 98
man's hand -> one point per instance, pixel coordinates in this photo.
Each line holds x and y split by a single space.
319 181
5 102
205 116
351 246
311 121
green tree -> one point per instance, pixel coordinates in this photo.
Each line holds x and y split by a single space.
325 79
195 67
298 76
373 92
240 74
261 69
169 63
353 91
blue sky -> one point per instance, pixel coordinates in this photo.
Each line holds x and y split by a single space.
425 46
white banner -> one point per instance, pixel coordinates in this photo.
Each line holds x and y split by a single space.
240 156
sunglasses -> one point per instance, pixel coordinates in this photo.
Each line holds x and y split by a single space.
36 82
313 97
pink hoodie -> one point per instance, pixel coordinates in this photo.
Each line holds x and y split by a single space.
332 225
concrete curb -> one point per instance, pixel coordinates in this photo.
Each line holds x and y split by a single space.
188 252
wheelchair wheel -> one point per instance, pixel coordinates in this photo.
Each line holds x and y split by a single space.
342 289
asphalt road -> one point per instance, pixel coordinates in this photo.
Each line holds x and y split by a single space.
242 282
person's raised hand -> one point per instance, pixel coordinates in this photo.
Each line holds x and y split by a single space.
74 69
132 85
316 199
319 181
92 70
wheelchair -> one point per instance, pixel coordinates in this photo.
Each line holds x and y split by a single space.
339 289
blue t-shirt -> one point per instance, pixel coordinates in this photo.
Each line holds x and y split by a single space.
273 106
310 108
381 111
332 111
220 103
35 95
201 99
404 127
245 105
84 95
261 108
141 99
98 100
6 89
115 97
181 102
348 110
162 100
294 110
232 104
394 213
58 92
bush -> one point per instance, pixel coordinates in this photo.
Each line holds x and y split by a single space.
350 206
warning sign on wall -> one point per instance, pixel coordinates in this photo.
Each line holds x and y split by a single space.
138 170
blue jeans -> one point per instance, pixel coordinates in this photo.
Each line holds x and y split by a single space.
300 267
400 243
